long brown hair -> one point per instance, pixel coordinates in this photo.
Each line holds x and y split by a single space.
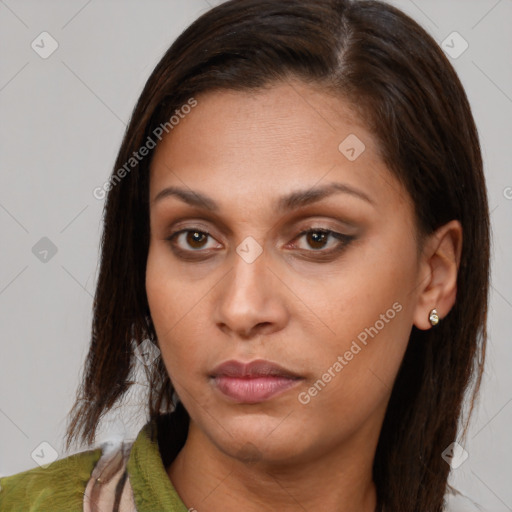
408 94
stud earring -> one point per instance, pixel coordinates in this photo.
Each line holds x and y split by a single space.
433 317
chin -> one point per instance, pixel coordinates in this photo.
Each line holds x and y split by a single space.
259 438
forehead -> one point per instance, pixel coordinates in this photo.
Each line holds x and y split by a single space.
263 143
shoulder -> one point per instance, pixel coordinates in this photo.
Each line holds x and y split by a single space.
57 487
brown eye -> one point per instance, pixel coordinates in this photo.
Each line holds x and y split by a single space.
191 240
319 238
196 239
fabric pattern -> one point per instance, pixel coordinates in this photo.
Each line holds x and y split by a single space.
61 487
109 488
58 488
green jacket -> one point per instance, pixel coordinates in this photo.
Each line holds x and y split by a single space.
61 486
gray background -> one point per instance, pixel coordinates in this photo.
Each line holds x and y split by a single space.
62 119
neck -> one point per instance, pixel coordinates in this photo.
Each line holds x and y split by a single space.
339 481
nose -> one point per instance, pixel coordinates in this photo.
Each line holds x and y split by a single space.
250 300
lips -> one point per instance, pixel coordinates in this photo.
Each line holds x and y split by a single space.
254 369
252 382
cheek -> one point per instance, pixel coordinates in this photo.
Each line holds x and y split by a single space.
172 296
172 304
162 302
369 317
355 376
366 297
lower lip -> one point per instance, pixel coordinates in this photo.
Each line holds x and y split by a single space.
253 390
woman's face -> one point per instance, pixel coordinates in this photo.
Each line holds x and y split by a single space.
233 276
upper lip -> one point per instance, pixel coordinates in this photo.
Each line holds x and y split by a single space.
257 368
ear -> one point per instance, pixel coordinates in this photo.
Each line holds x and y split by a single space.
439 265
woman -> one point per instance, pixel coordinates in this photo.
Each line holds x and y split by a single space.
298 221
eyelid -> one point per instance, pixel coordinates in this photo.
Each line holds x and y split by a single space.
202 223
302 222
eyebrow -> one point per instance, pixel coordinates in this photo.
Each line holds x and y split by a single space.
291 201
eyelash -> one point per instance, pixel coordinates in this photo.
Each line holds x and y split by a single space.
344 241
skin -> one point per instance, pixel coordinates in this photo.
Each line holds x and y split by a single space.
292 305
